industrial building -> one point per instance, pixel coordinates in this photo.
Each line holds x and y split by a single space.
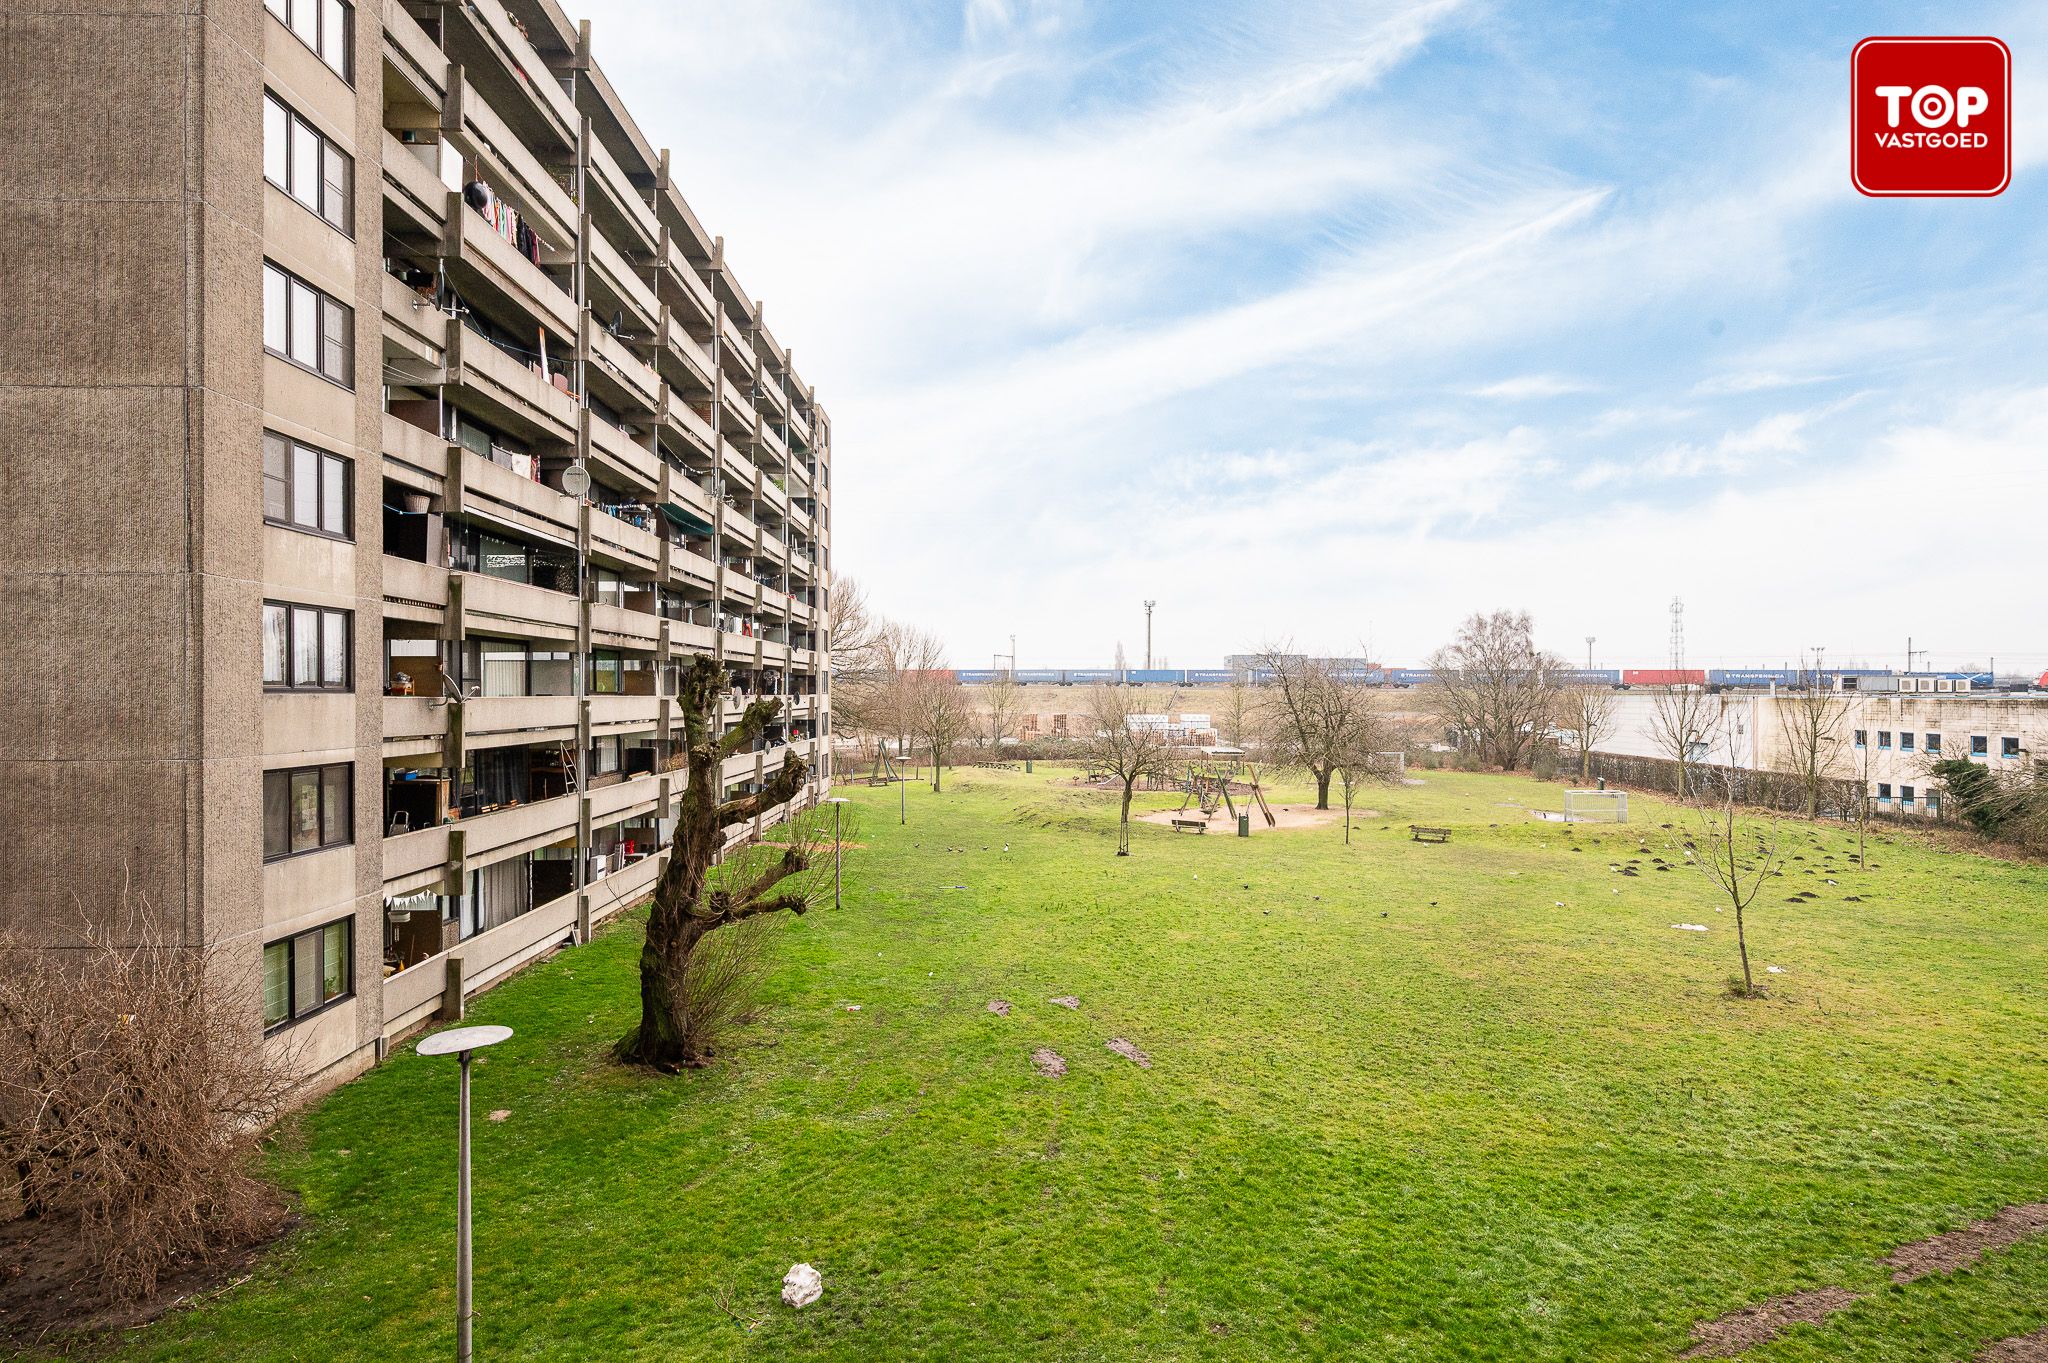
388 430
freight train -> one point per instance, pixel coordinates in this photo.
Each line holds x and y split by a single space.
1713 678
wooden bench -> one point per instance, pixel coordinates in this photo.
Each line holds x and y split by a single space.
1183 825
1424 833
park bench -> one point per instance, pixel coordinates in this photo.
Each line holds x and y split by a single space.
1424 833
1199 825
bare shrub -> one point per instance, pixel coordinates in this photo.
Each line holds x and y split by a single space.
133 1092
720 984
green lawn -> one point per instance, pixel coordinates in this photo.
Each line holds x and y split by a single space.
1407 1102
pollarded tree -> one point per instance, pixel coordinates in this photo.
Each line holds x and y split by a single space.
688 903
1494 685
1130 752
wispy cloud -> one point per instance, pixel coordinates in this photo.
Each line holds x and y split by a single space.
1348 309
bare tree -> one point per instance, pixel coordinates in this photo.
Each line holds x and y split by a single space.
1311 708
1589 712
1361 751
1240 714
864 663
688 902
133 1097
1130 752
1496 687
1001 700
1738 860
934 705
1685 724
1810 721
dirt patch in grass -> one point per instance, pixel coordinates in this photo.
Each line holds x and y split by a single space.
1130 1052
1285 816
2019 1349
1726 1336
1048 1062
46 1296
1066 1001
999 1007
1956 1249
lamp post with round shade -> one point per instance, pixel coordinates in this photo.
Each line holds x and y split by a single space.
462 1042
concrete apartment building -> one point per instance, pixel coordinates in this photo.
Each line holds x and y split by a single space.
1890 739
312 308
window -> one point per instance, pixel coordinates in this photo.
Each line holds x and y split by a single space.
306 648
305 973
1884 740
304 164
1884 790
1933 744
306 488
1980 746
1906 795
2008 747
307 327
1862 737
1905 740
326 26
606 673
306 809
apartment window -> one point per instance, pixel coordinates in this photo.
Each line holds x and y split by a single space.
1884 791
307 327
307 808
1980 746
304 164
1906 796
326 26
1884 740
1862 737
306 648
306 488
305 973
2008 747
606 674
606 754
1933 744
1905 740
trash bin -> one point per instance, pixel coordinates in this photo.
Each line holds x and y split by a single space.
1602 782
1027 766
1244 825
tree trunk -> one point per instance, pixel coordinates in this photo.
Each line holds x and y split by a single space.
1322 789
1123 828
1585 764
1742 945
661 1041
1347 813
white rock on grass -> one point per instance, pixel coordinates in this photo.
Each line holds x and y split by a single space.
1690 927
802 1285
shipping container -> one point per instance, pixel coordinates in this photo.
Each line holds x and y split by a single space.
1216 676
1410 676
1663 676
1087 676
1039 676
974 677
1750 676
1155 676
1590 676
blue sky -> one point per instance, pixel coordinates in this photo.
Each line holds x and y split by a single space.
1335 322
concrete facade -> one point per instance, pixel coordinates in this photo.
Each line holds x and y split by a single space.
1892 756
528 294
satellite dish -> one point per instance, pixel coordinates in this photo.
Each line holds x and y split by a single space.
576 480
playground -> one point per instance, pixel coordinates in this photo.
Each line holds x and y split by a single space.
1484 1098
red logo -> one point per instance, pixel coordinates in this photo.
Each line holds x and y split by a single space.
1930 117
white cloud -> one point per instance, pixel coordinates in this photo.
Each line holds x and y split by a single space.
1533 386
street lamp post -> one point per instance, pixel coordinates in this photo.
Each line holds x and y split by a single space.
462 1042
838 845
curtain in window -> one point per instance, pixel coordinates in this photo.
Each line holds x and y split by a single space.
277 983
274 673
305 646
305 810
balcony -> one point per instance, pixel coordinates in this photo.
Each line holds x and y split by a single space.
418 860
412 53
625 544
414 326
516 389
632 461
624 713
518 503
624 799
611 269
617 627
686 278
495 605
481 250
414 591
410 182
519 65
639 383
691 428
611 181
